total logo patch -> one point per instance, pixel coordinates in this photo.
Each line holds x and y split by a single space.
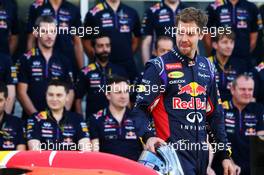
173 66
176 74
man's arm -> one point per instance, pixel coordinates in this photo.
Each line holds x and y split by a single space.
70 100
146 48
253 40
88 49
32 16
33 134
13 40
82 85
87 39
31 41
216 127
21 147
24 98
146 102
78 106
11 98
207 40
78 49
147 30
135 43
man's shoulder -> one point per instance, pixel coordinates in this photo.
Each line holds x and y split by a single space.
260 67
38 3
30 54
156 7
128 8
40 116
100 114
89 68
14 120
97 9
226 105
255 107
70 4
73 116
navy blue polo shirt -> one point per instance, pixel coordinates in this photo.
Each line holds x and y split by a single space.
92 81
119 26
53 135
7 72
119 139
11 132
158 18
243 18
8 23
68 16
239 127
224 77
36 73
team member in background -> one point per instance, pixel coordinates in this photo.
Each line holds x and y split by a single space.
11 127
56 128
156 20
94 77
227 67
8 27
112 129
68 17
210 10
40 65
242 120
8 77
163 45
121 23
244 19
184 105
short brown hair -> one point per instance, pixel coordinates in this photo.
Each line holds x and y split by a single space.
192 14
226 33
46 19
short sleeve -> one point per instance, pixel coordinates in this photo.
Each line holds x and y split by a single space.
93 128
147 23
33 129
23 75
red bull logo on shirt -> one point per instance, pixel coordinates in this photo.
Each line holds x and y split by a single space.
178 103
193 89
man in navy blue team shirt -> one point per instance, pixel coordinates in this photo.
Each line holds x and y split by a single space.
113 130
11 127
94 77
68 17
156 20
40 65
244 19
121 23
55 128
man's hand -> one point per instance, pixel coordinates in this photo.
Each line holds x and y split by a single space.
228 167
153 142
210 171
237 169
